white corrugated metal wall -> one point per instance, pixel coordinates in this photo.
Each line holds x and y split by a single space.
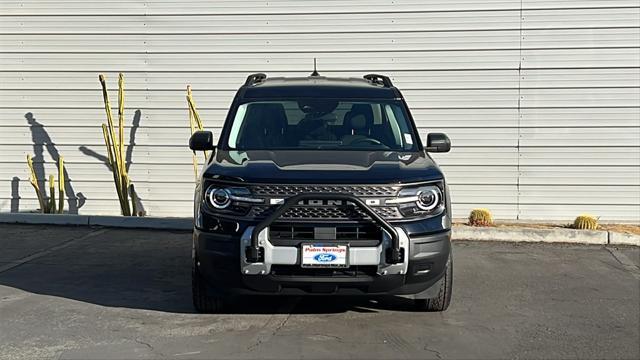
540 98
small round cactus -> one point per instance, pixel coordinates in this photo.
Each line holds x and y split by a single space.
480 217
585 222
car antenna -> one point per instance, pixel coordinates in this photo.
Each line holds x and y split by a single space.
315 71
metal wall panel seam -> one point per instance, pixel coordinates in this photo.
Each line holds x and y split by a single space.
520 60
310 7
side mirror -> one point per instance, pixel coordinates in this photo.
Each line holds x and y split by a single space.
201 141
438 142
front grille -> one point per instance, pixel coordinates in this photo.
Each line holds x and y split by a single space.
324 211
357 190
320 213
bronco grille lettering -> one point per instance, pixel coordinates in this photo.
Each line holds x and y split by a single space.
370 202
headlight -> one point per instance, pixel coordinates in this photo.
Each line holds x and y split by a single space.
429 199
219 198
419 201
234 199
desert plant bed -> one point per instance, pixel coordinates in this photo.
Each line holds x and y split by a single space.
621 228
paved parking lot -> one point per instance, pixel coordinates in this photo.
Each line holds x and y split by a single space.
78 293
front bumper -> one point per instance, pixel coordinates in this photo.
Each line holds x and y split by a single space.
222 262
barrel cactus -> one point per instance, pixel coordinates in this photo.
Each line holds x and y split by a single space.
480 217
585 222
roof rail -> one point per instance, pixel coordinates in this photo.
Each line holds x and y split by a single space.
379 79
255 79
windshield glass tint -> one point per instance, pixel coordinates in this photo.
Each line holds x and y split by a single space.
315 124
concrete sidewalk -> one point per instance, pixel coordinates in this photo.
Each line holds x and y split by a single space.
89 293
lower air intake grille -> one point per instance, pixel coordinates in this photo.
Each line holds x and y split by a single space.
294 231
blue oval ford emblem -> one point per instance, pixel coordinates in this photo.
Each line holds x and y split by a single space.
324 257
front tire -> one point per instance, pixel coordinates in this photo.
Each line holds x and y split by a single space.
443 299
201 300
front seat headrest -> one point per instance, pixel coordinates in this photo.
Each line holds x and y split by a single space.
360 119
358 122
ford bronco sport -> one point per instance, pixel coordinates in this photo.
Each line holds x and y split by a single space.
321 186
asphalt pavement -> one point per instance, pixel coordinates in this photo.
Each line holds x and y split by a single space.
99 293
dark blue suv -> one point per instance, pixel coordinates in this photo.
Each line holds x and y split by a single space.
321 186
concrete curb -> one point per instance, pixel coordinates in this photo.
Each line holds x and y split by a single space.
616 238
459 232
49 219
96 220
524 234
142 222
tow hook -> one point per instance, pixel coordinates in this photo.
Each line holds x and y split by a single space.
254 254
395 256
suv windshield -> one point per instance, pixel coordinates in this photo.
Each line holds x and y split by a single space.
315 124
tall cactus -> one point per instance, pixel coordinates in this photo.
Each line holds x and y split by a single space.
48 205
115 147
61 181
52 195
34 182
195 123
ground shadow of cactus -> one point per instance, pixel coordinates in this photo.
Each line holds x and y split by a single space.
41 142
135 124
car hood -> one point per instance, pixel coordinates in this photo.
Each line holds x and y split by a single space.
331 167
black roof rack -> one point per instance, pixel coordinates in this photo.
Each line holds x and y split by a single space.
379 79
255 79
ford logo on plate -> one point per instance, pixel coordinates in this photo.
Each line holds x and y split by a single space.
324 257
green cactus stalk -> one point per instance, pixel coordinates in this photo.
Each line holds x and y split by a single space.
195 123
115 145
585 222
48 205
34 182
480 217
52 195
61 181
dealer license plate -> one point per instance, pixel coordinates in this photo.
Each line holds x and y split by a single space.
324 255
